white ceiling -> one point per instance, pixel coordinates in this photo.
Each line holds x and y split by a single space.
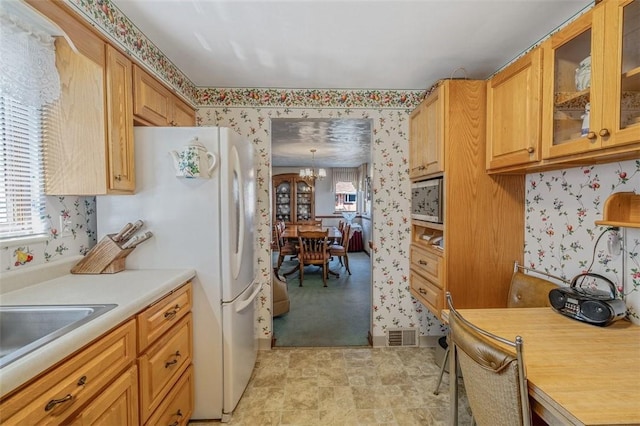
342 44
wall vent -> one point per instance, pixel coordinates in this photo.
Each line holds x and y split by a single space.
402 337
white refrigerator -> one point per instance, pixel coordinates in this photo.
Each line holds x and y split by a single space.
204 223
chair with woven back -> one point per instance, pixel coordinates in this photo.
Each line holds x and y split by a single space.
284 247
341 250
494 374
313 250
525 291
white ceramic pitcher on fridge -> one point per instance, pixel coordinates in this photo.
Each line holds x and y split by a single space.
194 161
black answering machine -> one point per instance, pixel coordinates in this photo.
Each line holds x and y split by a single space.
586 304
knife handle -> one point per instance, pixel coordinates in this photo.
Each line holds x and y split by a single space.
124 229
136 225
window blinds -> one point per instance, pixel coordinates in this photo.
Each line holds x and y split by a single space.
22 200
344 174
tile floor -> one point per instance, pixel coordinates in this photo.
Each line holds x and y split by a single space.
345 386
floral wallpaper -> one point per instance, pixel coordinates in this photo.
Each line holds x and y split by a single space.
80 212
560 233
392 304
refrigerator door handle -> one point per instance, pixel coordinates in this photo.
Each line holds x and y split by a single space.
241 307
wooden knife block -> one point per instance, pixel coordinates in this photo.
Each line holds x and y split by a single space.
106 257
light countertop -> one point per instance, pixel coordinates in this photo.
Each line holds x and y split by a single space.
131 290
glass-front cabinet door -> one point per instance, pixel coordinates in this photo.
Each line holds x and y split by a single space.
622 59
283 200
304 201
592 82
570 85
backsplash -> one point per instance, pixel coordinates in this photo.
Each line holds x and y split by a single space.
560 233
82 213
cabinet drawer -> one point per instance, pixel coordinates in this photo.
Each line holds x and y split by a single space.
427 264
163 363
59 393
177 407
116 405
427 293
159 317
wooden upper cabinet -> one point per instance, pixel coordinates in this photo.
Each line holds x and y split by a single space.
514 113
293 199
89 142
426 136
594 63
120 122
155 105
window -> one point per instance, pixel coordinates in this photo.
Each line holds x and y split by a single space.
346 197
22 200
29 83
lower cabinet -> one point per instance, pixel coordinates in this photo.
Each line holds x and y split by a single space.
116 405
110 382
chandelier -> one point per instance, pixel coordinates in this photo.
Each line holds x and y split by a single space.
313 173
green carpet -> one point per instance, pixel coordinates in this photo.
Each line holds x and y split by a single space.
336 315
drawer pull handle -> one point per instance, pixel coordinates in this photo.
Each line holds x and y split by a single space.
172 313
176 423
51 404
422 262
422 291
174 362
82 381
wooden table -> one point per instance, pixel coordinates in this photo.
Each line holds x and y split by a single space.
291 231
577 373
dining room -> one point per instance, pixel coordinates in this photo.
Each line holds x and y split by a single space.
321 178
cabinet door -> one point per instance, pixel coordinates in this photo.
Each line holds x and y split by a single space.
572 81
151 100
514 113
417 141
426 136
434 111
183 115
621 117
283 194
304 201
121 173
116 405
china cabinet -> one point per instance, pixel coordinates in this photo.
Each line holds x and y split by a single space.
293 199
426 135
471 253
591 88
514 113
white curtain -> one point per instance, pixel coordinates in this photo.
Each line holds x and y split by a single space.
28 71
344 174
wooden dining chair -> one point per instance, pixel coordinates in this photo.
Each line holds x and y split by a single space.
285 248
313 250
341 250
493 370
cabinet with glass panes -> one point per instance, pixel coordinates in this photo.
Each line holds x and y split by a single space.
591 85
293 199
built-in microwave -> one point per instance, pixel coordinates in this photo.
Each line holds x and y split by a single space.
426 200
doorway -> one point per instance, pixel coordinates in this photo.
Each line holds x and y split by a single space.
339 314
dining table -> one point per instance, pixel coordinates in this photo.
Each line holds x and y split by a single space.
292 232
577 373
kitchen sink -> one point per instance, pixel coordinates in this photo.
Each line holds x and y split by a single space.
26 328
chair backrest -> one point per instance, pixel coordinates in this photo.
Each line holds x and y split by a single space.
340 225
279 229
494 377
344 241
313 246
529 291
